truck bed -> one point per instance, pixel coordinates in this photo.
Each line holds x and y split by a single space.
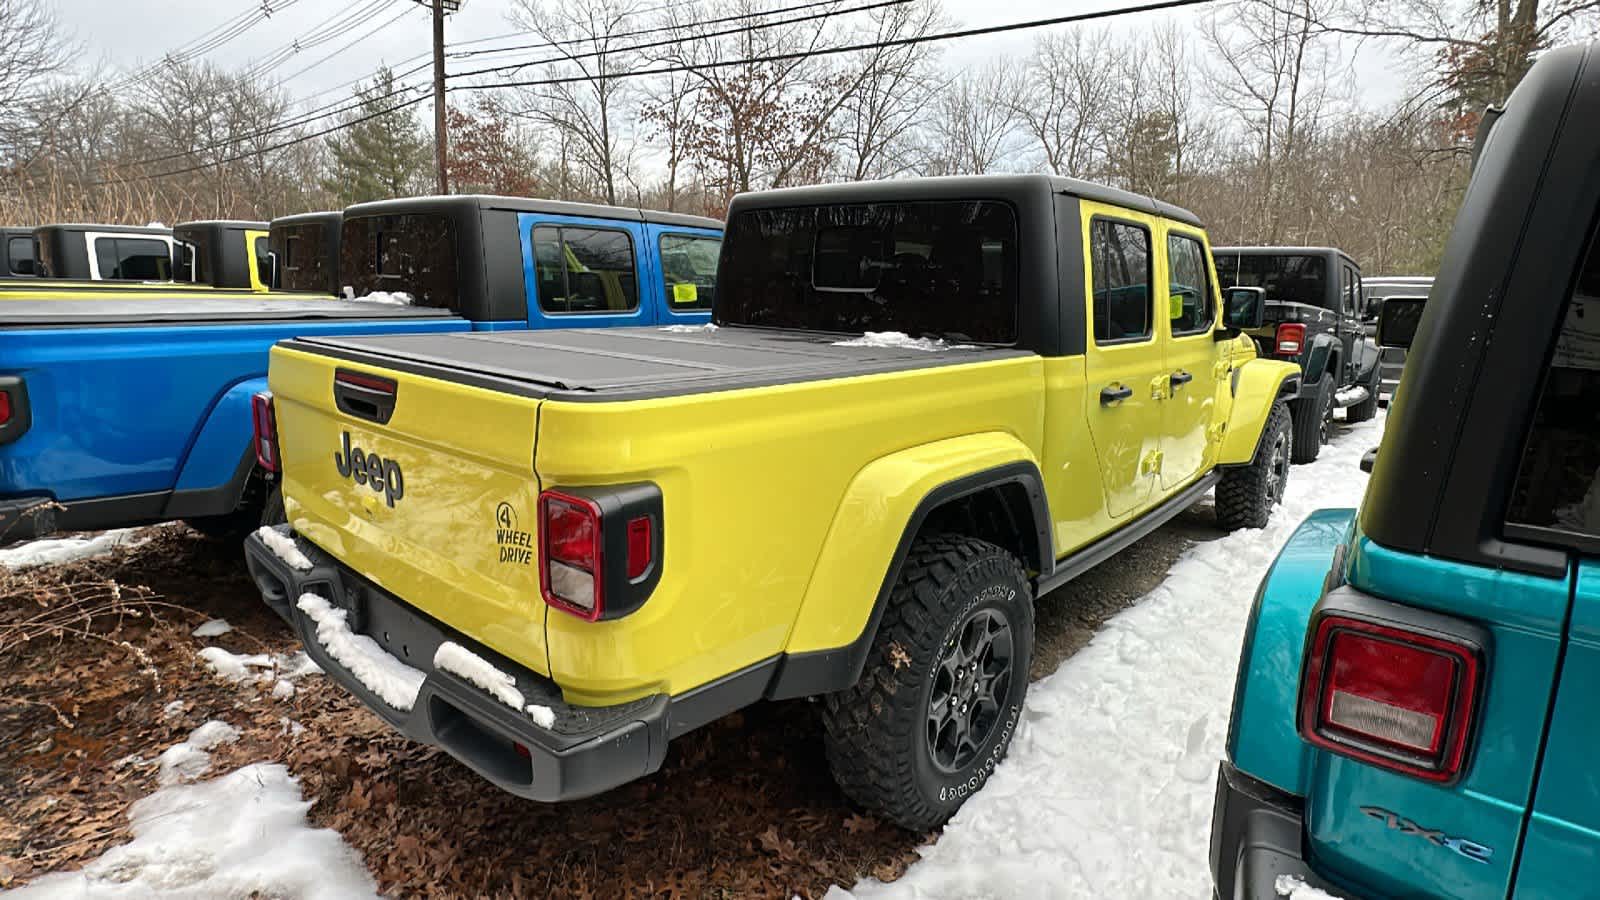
635 363
181 310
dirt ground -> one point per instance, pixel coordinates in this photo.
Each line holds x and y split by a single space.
94 654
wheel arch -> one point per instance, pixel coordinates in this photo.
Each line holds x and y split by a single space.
994 493
1257 385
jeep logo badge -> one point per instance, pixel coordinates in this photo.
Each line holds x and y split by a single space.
370 469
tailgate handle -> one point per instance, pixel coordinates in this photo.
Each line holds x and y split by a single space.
364 396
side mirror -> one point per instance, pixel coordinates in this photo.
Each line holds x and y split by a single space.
1398 320
1244 308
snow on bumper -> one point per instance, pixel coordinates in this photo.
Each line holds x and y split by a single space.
441 688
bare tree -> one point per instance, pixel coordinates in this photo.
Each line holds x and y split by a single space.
1066 99
891 90
592 113
972 129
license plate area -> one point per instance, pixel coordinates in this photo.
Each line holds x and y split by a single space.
400 632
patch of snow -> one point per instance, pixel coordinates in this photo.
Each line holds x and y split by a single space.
458 660
1349 396
392 298
235 666
212 628
395 683
54 551
291 727
282 689
899 340
283 547
242 835
543 716
691 329
156 224
175 708
190 759
297 665
1108 755
1295 888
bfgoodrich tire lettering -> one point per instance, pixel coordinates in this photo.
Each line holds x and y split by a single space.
953 592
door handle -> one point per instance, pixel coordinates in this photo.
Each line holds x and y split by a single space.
1181 378
1114 394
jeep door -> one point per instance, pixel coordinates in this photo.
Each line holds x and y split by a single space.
1124 358
1191 356
583 273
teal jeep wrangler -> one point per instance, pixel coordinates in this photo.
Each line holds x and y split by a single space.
1416 712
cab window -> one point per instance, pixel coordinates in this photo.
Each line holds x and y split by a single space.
1119 262
412 253
1193 304
584 270
689 271
19 253
133 259
1558 480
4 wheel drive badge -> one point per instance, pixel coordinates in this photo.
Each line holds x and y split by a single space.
504 516
515 547
1396 822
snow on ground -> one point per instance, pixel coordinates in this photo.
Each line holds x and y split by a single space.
283 547
212 628
901 341
1108 787
1295 888
190 759
280 670
54 551
395 683
242 835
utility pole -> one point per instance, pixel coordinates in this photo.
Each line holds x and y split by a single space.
440 139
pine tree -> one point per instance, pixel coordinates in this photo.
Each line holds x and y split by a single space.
384 153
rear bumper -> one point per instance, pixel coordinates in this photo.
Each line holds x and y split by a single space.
1256 836
587 750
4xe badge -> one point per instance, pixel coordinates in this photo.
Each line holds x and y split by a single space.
516 547
370 469
1396 822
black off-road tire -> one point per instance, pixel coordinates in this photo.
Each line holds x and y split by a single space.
1311 415
950 589
1366 409
1246 495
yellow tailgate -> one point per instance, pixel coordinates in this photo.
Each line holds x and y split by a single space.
458 541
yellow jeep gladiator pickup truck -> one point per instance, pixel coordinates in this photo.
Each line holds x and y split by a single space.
923 403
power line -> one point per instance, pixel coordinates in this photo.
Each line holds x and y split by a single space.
1158 6
406 10
344 106
208 41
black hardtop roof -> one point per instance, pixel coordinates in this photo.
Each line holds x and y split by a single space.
1453 443
458 204
1017 189
15 230
320 217
1287 251
240 224
109 229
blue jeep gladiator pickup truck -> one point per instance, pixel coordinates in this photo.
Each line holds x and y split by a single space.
1415 708
117 412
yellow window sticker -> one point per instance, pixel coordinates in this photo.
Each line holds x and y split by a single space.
686 292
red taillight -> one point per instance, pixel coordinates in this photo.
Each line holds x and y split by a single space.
370 382
640 553
266 431
571 571
1291 338
1391 697
5 407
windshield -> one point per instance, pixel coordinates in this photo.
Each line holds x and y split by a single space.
938 268
1287 277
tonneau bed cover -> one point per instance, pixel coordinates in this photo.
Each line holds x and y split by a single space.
193 311
635 363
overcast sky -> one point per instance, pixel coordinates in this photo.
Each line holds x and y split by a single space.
125 34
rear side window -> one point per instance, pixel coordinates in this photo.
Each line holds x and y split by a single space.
1193 305
414 254
304 263
19 255
1287 277
1119 265
1558 481
927 269
584 270
139 259
263 261
689 271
